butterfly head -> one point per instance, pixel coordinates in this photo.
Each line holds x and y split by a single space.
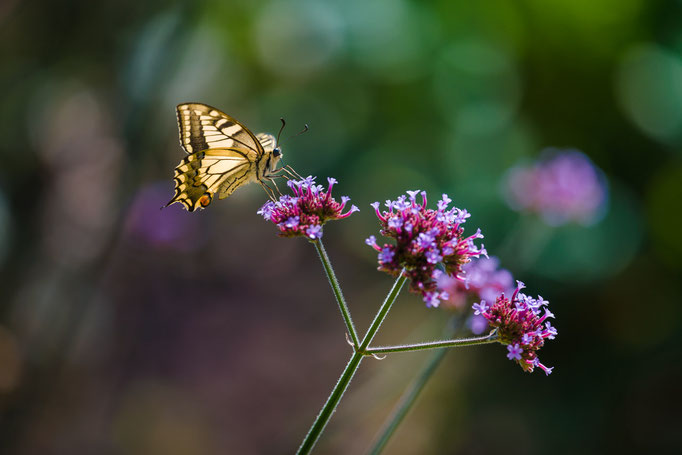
276 156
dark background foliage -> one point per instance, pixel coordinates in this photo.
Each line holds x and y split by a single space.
125 329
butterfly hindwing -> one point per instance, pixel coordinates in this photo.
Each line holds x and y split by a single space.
200 175
267 141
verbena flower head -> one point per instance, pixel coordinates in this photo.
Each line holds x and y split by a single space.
483 279
521 324
425 240
562 186
304 213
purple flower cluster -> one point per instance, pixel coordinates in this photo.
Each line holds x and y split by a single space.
521 324
304 213
424 239
483 279
562 186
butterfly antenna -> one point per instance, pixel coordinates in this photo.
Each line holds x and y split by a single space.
305 129
282 128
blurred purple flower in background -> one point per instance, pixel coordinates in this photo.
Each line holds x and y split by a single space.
561 186
424 238
303 214
483 279
168 228
521 324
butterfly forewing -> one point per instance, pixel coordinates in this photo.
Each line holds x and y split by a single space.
203 127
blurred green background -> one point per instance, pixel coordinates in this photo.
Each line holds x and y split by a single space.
125 329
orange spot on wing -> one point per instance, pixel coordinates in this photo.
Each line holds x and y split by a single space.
205 200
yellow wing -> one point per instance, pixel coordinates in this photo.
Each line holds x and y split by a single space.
267 141
201 175
222 155
204 127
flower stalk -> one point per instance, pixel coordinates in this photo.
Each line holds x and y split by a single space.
490 338
328 409
383 311
334 283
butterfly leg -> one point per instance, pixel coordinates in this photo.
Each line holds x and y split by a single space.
276 187
291 171
279 173
287 172
269 191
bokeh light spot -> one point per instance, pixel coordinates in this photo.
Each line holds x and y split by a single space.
168 228
298 38
201 61
390 38
649 88
477 87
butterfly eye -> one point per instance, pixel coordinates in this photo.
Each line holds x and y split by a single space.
277 152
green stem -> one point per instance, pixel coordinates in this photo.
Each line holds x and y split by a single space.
342 384
329 407
334 283
406 402
490 338
383 311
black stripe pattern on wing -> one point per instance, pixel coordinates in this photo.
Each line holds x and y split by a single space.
200 175
203 127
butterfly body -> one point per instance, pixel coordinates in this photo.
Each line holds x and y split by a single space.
222 155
